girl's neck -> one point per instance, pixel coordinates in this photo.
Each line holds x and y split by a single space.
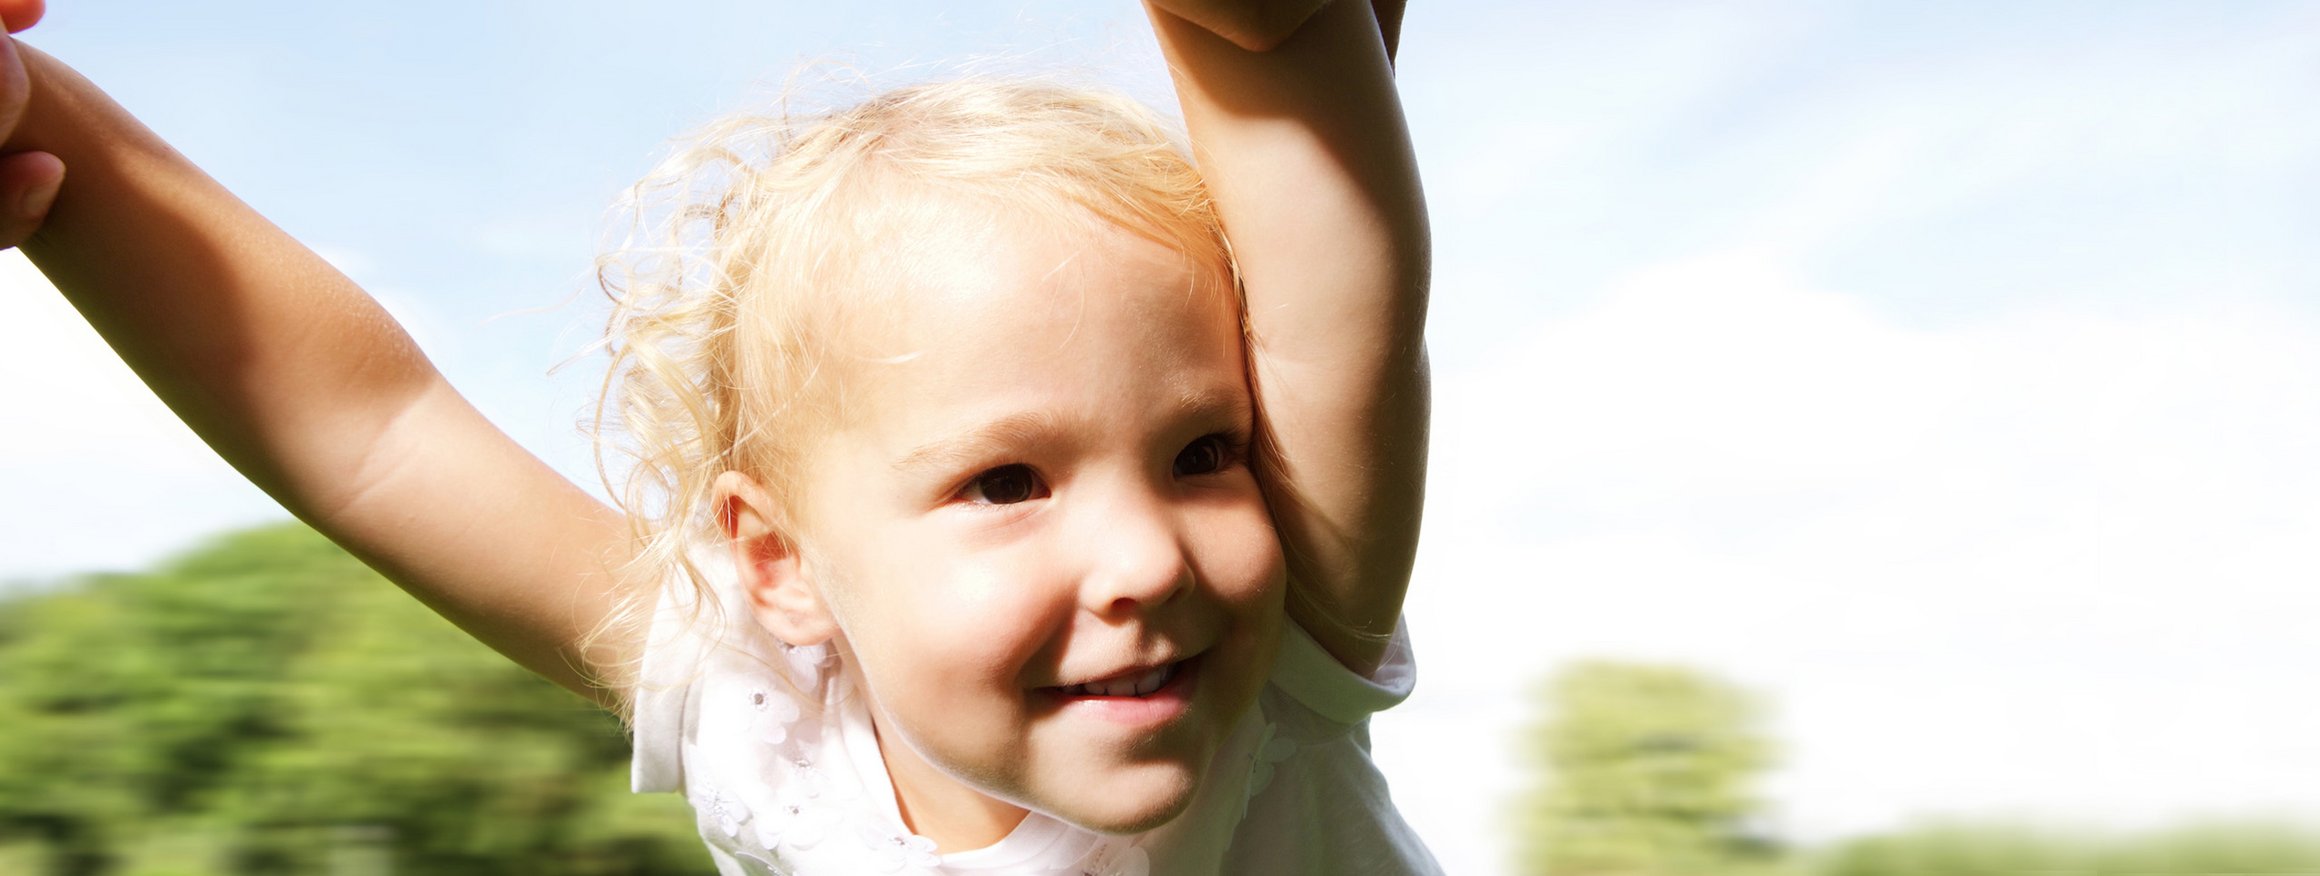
938 806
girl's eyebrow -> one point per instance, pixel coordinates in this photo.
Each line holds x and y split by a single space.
1012 430
1023 428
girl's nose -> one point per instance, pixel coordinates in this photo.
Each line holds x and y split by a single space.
1138 559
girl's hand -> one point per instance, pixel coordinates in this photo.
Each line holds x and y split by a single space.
28 180
1255 25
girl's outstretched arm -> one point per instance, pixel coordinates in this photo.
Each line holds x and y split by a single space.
304 383
1307 154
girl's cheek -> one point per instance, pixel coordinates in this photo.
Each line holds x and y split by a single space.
984 597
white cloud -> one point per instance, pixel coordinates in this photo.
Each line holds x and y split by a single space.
2055 562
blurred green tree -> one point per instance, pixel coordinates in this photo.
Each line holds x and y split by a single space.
1980 848
266 704
1958 850
1644 770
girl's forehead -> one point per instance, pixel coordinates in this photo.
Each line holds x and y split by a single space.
1034 288
1100 321
998 307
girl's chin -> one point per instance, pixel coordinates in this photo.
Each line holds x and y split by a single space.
1104 812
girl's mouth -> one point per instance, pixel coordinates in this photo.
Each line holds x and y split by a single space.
1143 699
1134 685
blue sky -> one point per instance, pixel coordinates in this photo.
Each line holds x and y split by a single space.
1947 373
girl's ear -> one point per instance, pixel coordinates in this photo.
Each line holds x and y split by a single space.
785 599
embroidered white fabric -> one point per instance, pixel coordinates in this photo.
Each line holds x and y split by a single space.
779 788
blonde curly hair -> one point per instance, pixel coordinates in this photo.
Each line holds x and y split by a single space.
748 247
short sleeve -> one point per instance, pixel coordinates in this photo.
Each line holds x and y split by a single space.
1308 674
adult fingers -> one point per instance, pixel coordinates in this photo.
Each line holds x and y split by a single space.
28 185
15 87
28 180
21 14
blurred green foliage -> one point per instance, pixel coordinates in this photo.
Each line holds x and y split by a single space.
1645 770
266 704
2000 849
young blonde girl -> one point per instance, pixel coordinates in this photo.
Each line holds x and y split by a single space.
978 524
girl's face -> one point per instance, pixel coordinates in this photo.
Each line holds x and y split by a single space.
1039 531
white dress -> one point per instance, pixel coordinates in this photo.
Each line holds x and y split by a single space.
780 789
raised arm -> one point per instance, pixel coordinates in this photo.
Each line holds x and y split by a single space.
1306 152
306 386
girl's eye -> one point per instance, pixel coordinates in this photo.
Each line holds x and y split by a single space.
1208 455
1005 485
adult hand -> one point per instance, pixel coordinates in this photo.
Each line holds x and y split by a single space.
28 179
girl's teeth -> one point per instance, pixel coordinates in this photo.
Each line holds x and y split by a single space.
1125 687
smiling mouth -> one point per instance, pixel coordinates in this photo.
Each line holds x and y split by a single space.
1134 685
